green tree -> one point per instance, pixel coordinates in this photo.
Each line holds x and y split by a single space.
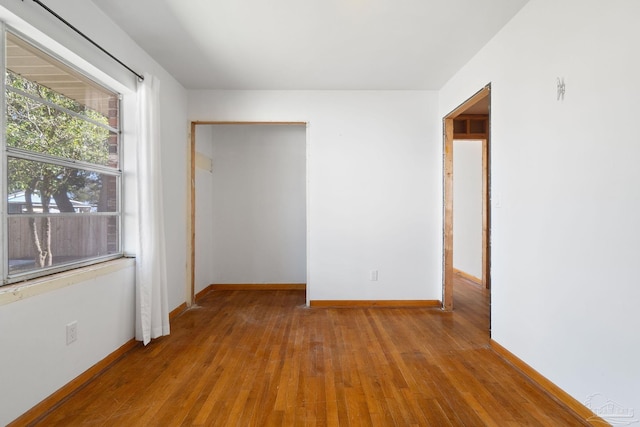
38 127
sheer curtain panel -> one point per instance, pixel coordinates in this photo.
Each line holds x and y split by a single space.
152 313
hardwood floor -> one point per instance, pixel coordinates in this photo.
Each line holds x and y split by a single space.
246 358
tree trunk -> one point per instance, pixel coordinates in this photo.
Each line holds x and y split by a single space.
62 200
35 237
45 227
41 236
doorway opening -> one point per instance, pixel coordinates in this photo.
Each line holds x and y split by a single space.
469 121
247 202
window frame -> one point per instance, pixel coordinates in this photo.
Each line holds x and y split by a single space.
17 153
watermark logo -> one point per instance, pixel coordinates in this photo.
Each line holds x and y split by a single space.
610 411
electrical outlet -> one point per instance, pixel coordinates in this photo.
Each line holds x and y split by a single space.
72 332
373 276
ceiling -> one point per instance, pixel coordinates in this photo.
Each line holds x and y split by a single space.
311 44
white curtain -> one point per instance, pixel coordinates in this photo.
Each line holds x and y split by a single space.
152 312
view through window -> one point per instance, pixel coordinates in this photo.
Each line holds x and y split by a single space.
62 163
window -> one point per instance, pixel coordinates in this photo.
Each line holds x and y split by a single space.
61 165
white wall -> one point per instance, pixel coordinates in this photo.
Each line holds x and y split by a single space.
259 204
566 238
373 164
467 207
35 359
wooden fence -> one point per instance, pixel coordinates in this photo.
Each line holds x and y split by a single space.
75 237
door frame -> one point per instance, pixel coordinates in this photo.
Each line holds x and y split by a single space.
448 175
191 191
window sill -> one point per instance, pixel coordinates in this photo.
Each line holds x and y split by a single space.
41 285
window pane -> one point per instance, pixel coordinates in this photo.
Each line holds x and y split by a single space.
41 128
61 163
26 60
36 187
43 242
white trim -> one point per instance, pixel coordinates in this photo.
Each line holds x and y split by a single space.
21 153
4 162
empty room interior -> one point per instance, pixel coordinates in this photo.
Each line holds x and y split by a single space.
320 213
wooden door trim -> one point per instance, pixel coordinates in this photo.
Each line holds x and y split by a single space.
447 267
228 122
486 216
191 222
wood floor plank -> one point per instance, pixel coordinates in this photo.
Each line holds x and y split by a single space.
246 358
